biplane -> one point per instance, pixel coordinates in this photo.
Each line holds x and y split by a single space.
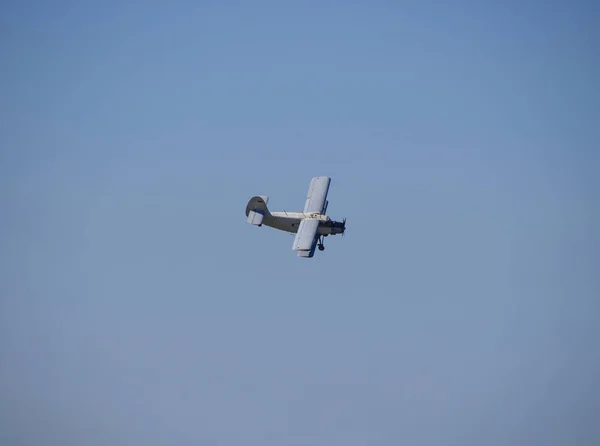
311 226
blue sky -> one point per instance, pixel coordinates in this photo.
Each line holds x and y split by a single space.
137 306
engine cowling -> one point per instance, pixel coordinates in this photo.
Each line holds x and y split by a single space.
333 228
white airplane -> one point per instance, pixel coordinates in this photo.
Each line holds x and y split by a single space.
310 226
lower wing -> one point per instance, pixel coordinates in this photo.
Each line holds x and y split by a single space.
306 238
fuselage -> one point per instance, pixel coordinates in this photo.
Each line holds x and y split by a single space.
289 222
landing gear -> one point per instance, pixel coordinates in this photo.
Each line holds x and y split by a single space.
321 246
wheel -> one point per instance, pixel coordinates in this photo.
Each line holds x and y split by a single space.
321 247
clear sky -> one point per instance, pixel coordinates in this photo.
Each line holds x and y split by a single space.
137 306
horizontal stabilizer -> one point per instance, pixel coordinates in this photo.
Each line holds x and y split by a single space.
255 217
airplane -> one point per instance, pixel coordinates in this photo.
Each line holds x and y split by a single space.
311 226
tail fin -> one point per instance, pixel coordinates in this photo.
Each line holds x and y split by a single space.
256 209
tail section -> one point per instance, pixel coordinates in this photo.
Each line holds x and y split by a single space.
257 209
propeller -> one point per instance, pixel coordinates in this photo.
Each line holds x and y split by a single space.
344 227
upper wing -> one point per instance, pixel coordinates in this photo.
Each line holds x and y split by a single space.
316 200
306 237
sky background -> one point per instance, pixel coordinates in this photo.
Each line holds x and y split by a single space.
137 306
